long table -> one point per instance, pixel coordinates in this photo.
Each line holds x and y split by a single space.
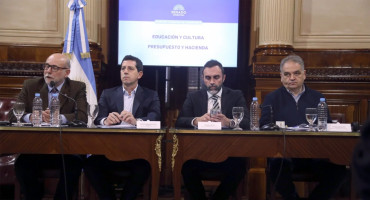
115 144
216 146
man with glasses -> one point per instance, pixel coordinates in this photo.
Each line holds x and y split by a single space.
288 104
28 166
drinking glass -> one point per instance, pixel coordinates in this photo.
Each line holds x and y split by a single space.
238 114
92 111
311 115
18 110
214 111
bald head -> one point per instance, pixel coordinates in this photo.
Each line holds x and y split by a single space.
62 59
57 68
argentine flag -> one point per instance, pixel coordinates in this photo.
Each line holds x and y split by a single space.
76 47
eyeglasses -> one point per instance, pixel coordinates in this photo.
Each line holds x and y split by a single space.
54 68
288 74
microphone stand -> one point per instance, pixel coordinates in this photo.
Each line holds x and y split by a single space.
75 122
271 126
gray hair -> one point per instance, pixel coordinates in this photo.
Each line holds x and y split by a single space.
293 58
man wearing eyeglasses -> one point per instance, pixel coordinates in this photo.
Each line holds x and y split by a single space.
27 166
288 104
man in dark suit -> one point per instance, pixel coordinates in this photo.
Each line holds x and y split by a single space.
125 104
289 103
27 166
196 109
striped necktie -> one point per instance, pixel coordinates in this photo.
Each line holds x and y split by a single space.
215 102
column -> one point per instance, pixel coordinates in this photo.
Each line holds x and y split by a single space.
276 20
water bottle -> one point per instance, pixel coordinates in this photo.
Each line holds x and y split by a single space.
255 115
322 115
54 110
37 110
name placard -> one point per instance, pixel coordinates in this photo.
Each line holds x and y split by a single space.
209 125
281 124
339 127
148 124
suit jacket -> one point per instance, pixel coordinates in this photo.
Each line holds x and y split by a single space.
74 89
196 105
146 103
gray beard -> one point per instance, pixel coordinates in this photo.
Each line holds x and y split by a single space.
215 91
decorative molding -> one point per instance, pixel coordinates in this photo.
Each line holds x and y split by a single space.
158 151
273 50
266 70
27 60
338 73
175 149
276 20
14 68
21 69
320 64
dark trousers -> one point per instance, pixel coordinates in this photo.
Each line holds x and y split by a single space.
231 171
330 175
99 171
28 168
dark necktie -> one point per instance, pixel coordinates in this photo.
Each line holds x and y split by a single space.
54 90
215 102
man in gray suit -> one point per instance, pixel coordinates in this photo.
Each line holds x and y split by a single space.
196 109
125 104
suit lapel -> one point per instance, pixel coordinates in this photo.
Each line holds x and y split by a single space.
224 97
119 99
138 99
44 93
64 90
204 101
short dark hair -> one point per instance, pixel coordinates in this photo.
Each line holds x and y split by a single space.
212 63
139 64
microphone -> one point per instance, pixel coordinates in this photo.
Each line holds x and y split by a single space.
271 126
75 122
52 84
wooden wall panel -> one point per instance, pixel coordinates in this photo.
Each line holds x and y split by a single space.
11 86
21 62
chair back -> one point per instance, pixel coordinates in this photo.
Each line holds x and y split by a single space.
6 104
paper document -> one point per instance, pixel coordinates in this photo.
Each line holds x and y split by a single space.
117 126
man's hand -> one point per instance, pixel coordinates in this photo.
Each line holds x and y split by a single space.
205 118
45 116
127 117
225 122
113 118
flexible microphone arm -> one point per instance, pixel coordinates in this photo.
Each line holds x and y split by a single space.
271 114
76 122
52 84
74 101
271 126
